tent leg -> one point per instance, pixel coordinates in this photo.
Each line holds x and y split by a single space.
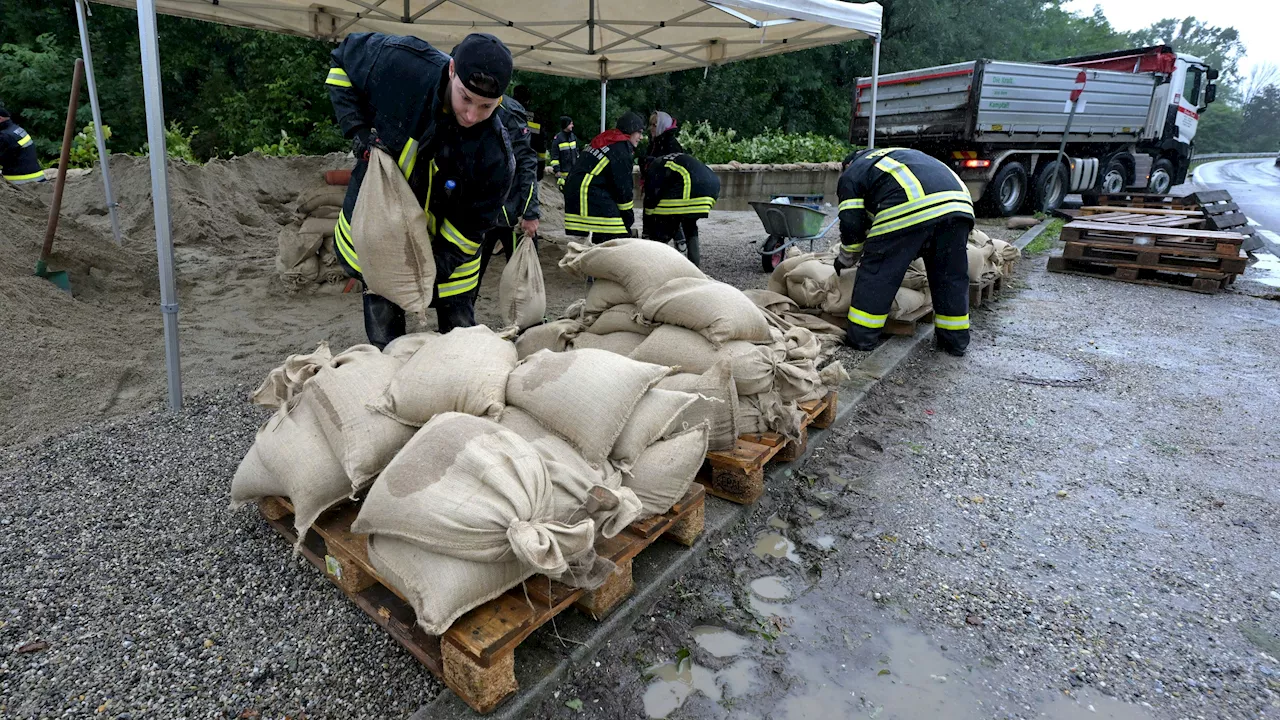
604 85
159 152
875 84
103 160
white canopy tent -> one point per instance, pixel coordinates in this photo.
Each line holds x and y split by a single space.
590 39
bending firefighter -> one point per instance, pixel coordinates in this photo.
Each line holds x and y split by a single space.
441 118
18 162
897 205
599 193
564 151
678 192
521 212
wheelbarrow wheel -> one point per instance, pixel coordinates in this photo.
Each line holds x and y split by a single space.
770 260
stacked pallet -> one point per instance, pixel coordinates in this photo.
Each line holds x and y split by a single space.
1151 254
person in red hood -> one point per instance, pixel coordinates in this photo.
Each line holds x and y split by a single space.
598 194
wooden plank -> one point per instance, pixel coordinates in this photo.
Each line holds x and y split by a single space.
1219 208
1204 197
1229 220
1154 259
1147 230
1092 210
1232 251
1154 278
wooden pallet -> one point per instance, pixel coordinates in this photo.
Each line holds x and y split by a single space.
986 291
737 475
1201 283
476 656
1190 201
1222 244
1226 215
1153 217
907 324
1170 259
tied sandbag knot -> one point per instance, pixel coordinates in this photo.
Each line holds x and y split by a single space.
548 546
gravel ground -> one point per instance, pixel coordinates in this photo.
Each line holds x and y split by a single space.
1077 520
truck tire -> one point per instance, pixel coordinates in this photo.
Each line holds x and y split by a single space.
1161 177
1114 179
1007 190
1050 187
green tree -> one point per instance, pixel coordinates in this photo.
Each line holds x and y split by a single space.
1219 46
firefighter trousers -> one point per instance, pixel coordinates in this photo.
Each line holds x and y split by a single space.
884 263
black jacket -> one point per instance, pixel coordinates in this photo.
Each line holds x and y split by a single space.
564 151
668 143
679 185
522 203
399 85
892 190
598 194
18 161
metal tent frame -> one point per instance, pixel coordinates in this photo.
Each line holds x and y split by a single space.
605 40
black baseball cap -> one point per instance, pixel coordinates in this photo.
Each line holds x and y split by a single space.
631 122
483 64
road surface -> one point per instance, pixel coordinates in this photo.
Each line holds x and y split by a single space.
1254 184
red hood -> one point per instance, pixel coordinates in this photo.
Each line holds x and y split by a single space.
609 137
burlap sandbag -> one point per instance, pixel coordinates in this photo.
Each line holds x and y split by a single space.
977 238
364 440
772 301
838 303
766 412
907 301
980 266
603 295
294 246
752 365
522 298
654 416
554 336
327 212
469 488
1005 251
916 277
812 283
390 234
802 344
717 311
640 266
778 278
585 396
320 196
305 273
283 382
622 343
291 458
663 473
403 347
716 404
580 490
318 226
621 318
797 379
440 588
329 254
464 370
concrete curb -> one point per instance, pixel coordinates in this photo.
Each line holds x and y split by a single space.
541 662
1030 235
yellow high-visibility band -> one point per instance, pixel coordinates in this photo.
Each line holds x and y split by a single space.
567 145
338 77
951 322
408 158
586 184
855 248
21 179
925 215
905 208
457 287
684 174
627 205
858 317
534 126
342 241
465 269
24 141
455 236
907 179
853 204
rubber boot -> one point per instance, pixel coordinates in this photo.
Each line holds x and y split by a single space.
693 249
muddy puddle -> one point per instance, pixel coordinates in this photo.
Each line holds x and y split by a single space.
673 683
775 545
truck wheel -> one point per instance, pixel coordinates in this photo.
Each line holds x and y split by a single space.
1161 177
1050 187
1115 179
1007 190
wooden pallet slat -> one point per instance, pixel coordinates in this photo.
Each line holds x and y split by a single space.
1140 276
1160 258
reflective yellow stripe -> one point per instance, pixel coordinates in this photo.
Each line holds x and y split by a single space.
466 268
856 247
853 204
338 77
24 141
907 179
555 163
536 127
567 145
426 206
342 241
905 208
408 158
527 202
457 287
688 182
878 153
627 206
951 322
925 215
858 317
586 223
455 236
586 183
25 178
542 156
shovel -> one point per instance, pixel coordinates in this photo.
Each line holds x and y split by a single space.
60 277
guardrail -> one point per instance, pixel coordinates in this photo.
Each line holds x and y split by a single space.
1234 156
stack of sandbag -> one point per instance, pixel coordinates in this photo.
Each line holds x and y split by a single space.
810 281
988 256
306 253
648 302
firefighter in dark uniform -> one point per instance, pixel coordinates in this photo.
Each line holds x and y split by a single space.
564 151
599 192
678 191
897 205
537 139
440 117
521 212
18 162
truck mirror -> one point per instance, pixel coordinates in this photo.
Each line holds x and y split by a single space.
1210 93
1212 74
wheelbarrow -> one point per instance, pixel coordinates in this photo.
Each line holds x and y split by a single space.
786 226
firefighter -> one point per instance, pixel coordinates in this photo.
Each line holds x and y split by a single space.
664 138
521 212
897 205
538 140
439 117
18 162
564 151
598 194
678 191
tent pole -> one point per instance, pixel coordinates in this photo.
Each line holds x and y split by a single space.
875 84
97 120
604 85
149 40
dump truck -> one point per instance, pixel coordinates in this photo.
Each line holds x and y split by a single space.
999 124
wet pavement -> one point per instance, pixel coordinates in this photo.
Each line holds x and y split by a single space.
1078 520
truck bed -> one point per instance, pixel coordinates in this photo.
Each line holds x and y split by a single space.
993 102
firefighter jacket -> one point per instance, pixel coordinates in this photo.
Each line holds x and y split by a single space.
536 138
462 176
564 152
679 185
891 190
522 203
598 194
18 162
668 143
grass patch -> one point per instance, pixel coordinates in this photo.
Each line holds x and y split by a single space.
1046 240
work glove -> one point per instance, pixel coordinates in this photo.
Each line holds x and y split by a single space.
843 263
365 140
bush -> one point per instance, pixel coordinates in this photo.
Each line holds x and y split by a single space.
178 142
713 146
84 147
286 147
